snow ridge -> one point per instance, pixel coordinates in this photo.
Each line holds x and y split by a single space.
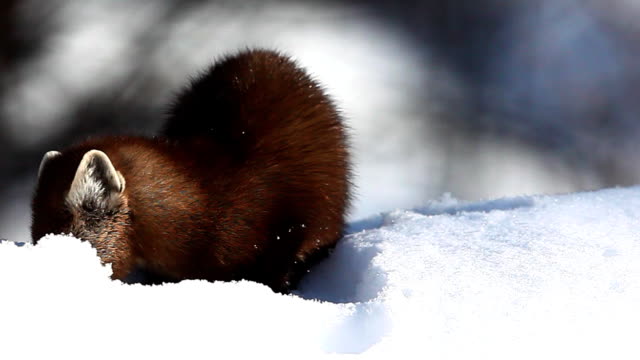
529 277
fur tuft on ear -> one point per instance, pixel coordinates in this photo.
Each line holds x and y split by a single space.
45 159
96 185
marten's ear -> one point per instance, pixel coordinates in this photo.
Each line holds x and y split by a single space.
45 159
97 185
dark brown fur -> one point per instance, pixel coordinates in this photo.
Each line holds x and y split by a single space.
249 180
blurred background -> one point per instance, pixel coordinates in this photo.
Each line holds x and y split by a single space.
480 99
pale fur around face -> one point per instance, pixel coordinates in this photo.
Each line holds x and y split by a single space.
96 185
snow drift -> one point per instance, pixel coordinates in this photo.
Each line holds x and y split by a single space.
528 277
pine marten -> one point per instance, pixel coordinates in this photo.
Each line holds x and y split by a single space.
248 179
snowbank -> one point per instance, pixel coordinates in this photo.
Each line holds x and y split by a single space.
530 277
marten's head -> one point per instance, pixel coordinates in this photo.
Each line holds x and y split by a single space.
82 194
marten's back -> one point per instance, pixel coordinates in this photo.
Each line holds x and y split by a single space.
286 143
249 179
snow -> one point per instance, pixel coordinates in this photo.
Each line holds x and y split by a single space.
528 277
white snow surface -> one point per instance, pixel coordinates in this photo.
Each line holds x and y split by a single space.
543 277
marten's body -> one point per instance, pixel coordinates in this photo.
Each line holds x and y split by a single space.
249 180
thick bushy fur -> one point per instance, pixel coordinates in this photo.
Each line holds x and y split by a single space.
248 180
